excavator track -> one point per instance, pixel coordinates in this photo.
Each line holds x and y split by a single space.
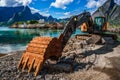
38 50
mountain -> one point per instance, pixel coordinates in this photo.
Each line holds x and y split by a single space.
64 20
111 10
20 13
7 12
50 18
25 15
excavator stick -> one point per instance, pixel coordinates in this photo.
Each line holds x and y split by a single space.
39 49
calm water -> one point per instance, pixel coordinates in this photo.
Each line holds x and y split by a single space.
17 39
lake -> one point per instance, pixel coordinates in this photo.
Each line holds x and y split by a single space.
16 39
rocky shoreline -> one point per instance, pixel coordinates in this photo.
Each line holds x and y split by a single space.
86 62
55 25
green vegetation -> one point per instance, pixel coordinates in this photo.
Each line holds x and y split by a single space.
32 22
27 22
19 22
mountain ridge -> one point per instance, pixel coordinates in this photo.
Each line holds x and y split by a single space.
10 15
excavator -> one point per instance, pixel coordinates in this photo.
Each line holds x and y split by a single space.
42 48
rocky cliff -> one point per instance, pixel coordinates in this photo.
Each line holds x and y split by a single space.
111 10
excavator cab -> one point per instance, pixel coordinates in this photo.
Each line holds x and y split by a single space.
100 23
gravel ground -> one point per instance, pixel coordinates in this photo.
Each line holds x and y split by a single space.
115 30
78 62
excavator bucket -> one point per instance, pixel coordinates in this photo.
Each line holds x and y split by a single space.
39 49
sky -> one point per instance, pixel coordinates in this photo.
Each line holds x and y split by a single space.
56 8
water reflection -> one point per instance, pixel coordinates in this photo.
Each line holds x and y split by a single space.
25 35
17 39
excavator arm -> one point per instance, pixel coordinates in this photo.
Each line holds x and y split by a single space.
42 48
74 22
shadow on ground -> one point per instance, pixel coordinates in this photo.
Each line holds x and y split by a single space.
114 71
71 64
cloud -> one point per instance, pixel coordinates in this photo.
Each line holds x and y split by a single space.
98 3
94 3
67 13
117 1
61 3
14 3
33 10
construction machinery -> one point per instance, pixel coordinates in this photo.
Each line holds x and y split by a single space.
42 48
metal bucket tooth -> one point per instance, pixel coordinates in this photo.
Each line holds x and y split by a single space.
31 66
25 64
38 67
20 62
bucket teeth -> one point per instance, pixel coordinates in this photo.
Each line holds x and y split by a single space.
24 64
20 62
31 61
39 66
31 66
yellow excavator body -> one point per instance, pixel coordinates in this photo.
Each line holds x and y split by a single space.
105 27
84 27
